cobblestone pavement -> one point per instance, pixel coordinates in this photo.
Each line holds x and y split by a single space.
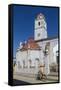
33 80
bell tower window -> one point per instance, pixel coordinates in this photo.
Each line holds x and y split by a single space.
39 23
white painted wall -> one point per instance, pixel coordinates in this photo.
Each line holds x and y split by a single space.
29 55
42 32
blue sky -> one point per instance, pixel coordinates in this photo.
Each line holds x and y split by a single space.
23 23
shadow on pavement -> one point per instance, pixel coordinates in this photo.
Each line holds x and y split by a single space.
19 82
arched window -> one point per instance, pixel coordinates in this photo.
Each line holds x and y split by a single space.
19 65
23 63
57 57
37 62
30 63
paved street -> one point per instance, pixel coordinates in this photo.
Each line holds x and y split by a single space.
29 80
19 82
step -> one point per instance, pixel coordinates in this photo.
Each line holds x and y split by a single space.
52 77
53 74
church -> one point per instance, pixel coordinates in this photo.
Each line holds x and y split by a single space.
38 53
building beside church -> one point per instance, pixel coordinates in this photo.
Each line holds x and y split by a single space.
40 52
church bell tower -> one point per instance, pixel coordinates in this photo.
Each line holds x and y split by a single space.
40 31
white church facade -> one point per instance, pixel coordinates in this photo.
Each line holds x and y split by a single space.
38 53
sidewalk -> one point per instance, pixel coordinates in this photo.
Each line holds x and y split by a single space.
33 80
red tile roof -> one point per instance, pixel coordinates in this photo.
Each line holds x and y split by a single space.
31 44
